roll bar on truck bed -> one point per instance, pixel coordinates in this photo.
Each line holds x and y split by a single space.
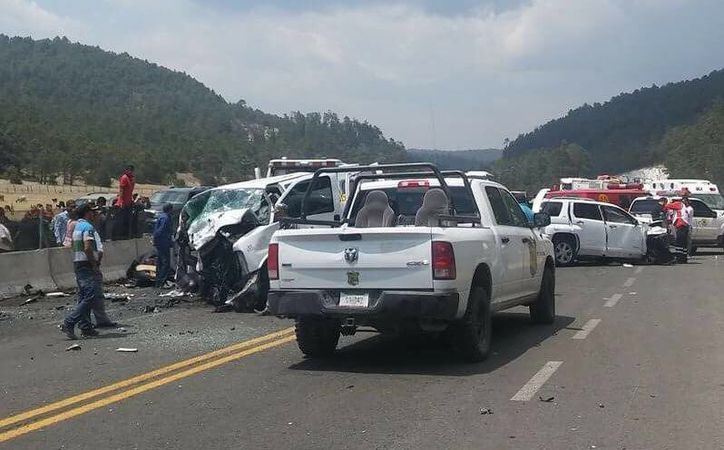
376 172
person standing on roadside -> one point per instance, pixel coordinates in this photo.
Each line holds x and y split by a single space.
60 222
680 218
126 185
86 264
688 215
163 240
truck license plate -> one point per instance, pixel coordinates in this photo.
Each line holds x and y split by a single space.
354 300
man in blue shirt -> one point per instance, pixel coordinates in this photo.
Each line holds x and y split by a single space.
86 262
163 240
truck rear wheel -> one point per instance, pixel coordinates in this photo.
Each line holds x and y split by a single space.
317 336
473 334
544 309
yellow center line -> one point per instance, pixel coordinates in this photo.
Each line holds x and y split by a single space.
37 425
143 377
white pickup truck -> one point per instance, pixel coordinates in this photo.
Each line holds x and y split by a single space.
430 251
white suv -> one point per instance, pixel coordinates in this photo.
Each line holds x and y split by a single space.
582 228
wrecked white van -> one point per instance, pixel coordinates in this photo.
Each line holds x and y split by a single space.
228 230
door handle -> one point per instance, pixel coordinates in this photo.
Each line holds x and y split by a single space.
506 240
613 226
580 222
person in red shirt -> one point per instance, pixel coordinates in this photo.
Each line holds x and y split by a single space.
126 184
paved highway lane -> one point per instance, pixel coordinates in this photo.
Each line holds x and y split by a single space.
634 360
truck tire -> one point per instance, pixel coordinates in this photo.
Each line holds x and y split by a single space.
317 337
473 334
564 247
543 311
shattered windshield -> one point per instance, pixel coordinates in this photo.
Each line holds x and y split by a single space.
218 200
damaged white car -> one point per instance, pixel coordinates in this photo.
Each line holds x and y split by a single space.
227 230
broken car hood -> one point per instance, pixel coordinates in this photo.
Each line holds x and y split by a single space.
204 229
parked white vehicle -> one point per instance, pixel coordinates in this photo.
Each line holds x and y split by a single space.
707 229
428 250
582 228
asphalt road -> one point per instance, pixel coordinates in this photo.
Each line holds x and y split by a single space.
633 361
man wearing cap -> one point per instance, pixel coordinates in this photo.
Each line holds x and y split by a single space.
86 263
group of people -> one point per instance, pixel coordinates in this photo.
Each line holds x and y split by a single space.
678 218
50 225
87 253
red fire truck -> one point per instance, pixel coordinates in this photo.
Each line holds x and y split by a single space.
618 193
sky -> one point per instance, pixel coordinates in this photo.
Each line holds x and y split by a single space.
447 74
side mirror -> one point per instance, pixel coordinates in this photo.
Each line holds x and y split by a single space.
541 220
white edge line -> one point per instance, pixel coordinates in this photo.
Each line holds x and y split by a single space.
530 388
586 329
611 302
629 282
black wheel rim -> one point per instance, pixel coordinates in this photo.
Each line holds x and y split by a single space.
564 252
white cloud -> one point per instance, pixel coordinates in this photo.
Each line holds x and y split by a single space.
28 18
484 75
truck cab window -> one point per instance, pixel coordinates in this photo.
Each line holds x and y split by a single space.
500 211
320 200
517 215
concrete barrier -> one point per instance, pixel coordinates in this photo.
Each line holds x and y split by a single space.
52 269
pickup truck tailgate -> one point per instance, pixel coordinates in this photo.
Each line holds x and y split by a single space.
375 258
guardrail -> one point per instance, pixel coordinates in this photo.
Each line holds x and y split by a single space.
51 269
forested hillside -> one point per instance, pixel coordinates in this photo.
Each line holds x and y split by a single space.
81 112
625 132
680 125
458 159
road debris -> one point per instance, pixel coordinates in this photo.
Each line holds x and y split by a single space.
73 347
115 297
175 293
486 411
56 294
627 265
127 350
546 400
601 405
30 300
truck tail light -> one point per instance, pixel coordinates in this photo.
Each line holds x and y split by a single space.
272 264
443 261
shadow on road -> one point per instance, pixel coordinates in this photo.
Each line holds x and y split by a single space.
708 251
513 335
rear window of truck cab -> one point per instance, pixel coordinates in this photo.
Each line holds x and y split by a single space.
405 201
